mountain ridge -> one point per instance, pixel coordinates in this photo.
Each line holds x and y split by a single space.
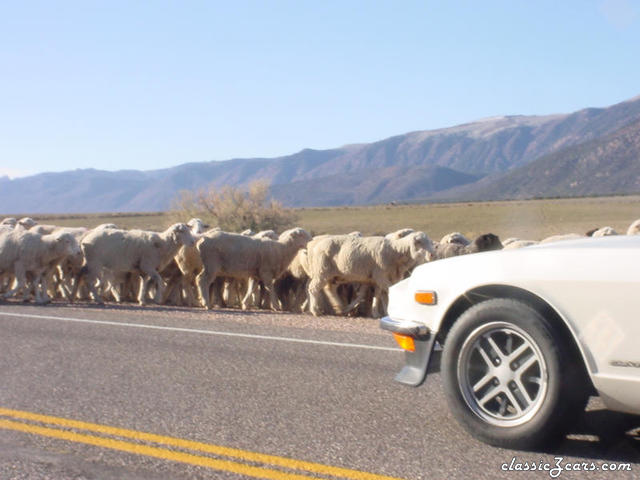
441 160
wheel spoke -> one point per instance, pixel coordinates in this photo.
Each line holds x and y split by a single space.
519 351
485 357
509 345
513 401
504 403
491 393
482 382
525 394
532 360
536 380
495 347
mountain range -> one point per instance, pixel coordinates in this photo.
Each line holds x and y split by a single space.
594 151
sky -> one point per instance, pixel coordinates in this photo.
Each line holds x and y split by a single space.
143 85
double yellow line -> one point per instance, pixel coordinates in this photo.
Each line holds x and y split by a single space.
246 463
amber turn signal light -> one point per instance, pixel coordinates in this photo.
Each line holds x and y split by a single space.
405 342
425 298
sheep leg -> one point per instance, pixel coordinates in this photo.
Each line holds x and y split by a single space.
270 287
252 285
41 281
19 284
142 295
91 281
204 280
331 291
379 301
315 290
357 301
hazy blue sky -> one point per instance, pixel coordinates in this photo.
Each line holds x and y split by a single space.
131 84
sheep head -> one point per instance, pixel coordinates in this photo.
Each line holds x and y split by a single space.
11 221
420 245
27 222
197 225
67 243
485 243
181 233
295 236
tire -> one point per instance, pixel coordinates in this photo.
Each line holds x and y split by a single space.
522 396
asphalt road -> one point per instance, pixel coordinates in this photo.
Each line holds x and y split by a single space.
265 395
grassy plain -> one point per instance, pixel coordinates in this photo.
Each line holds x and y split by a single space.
530 219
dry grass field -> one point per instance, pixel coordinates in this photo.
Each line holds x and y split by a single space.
530 219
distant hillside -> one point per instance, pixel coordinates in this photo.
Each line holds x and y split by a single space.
413 166
607 165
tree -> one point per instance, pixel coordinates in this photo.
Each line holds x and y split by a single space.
233 209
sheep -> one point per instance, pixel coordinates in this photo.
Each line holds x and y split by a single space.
133 251
10 221
197 226
403 232
22 252
601 232
102 226
266 234
292 286
561 238
26 223
482 243
518 244
455 237
240 256
65 271
187 265
509 241
378 261
634 228
44 229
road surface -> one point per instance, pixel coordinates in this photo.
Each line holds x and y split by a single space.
122 392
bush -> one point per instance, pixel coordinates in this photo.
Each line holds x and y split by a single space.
235 210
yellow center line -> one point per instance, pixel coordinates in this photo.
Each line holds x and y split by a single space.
224 465
244 455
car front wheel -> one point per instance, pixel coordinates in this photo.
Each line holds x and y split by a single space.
510 379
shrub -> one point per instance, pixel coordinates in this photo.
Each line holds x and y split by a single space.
234 210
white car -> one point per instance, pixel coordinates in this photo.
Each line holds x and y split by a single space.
527 334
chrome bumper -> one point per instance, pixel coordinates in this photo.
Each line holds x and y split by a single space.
414 372
405 327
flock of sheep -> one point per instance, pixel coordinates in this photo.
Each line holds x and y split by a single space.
188 266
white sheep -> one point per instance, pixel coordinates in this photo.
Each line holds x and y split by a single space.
240 256
377 261
132 251
603 232
561 238
10 221
518 244
22 252
26 223
188 264
634 228
403 232
455 237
